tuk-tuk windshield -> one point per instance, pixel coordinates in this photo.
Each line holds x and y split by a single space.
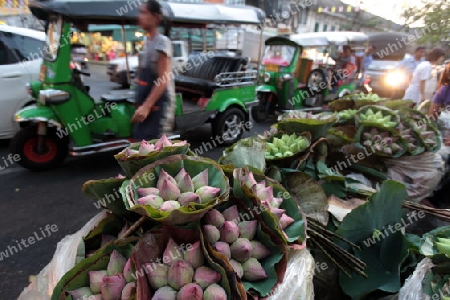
280 55
53 37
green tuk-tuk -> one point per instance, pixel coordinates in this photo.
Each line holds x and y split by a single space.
291 77
67 120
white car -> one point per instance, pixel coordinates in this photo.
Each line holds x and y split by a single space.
20 62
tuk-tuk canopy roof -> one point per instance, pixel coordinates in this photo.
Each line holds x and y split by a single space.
318 39
83 12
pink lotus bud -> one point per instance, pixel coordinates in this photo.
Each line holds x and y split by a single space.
94 297
163 176
185 184
265 194
214 292
180 274
259 186
120 176
96 280
241 250
285 221
190 291
237 267
194 256
276 202
131 152
223 248
201 179
170 206
152 200
162 142
188 197
207 193
277 212
205 276
128 271
249 180
180 175
165 293
81 293
179 144
172 252
266 204
169 191
248 229
214 217
142 192
259 251
212 234
107 238
145 148
231 214
116 263
157 274
128 291
229 232
112 287
253 271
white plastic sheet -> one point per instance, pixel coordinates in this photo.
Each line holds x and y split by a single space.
63 260
412 289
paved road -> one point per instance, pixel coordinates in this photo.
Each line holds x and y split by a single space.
31 201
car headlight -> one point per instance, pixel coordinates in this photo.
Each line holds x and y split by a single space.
266 77
395 78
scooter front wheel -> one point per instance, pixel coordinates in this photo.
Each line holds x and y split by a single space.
38 153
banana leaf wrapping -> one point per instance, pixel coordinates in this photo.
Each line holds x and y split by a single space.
150 251
346 117
274 265
298 124
287 160
415 146
342 104
193 165
359 103
78 276
396 104
246 152
376 146
132 163
341 135
395 118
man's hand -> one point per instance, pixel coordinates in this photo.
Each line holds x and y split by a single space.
141 114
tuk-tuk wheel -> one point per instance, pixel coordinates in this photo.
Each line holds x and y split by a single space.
52 153
229 125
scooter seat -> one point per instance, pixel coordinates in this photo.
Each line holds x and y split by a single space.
117 98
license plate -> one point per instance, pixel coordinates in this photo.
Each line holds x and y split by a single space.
272 68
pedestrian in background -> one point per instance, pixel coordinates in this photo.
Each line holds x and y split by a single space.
410 63
367 59
416 88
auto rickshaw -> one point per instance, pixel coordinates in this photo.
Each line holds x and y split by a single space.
291 77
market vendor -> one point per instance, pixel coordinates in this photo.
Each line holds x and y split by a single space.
155 99
441 100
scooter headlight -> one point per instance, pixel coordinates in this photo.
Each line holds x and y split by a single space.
266 77
395 79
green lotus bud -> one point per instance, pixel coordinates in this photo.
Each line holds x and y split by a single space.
96 280
214 292
128 271
180 273
237 267
201 179
185 184
142 192
276 202
247 229
116 263
278 155
288 153
172 252
169 191
162 142
163 176
259 251
194 256
229 232
241 250
112 287
231 214
81 293
214 217
154 201
212 234
187 198
145 148
285 138
223 248
107 238
169 206
165 293
207 193
190 291
253 271
205 276
129 291
278 212
157 274
285 221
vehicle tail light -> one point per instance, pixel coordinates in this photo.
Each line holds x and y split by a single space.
202 102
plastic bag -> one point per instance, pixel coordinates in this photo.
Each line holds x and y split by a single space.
421 174
412 289
63 260
298 280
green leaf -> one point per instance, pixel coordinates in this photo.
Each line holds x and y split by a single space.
106 193
246 152
317 128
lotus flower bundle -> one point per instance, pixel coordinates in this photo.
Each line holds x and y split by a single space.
182 274
286 146
171 193
427 133
381 141
381 117
235 239
115 283
146 148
